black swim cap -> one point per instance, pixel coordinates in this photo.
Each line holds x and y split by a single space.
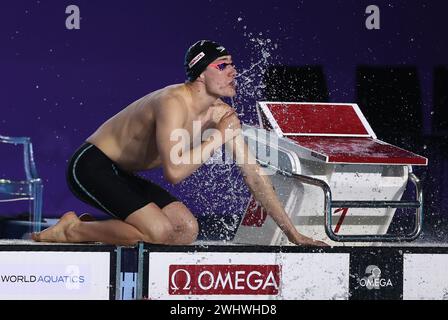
200 55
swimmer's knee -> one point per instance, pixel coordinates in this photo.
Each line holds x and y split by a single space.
159 233
185 222
191 229
176 206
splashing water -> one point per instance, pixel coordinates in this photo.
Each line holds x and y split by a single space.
250 79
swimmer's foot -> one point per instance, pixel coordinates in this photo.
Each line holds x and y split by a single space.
58 232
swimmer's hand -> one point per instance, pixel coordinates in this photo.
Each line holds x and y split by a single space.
301 240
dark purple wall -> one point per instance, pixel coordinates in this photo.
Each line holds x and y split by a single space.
57 85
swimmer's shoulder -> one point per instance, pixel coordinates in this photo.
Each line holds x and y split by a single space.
219 104
172 100
171 94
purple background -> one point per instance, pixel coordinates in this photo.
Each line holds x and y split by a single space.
57 85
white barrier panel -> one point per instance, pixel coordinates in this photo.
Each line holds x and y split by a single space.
315 276
54 275
425 277
243 276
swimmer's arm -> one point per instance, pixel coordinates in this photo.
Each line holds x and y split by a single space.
178 162
261 187
257 181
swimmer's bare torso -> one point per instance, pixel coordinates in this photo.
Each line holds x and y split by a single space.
129 138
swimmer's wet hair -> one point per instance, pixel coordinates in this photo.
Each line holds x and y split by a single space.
200 55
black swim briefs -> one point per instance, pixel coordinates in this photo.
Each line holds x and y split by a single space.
98 181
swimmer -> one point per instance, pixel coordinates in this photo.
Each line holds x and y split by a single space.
103 172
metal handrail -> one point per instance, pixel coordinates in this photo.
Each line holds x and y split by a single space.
329 204
380 204
376 204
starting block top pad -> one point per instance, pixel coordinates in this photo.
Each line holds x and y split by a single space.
333 132
358 150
